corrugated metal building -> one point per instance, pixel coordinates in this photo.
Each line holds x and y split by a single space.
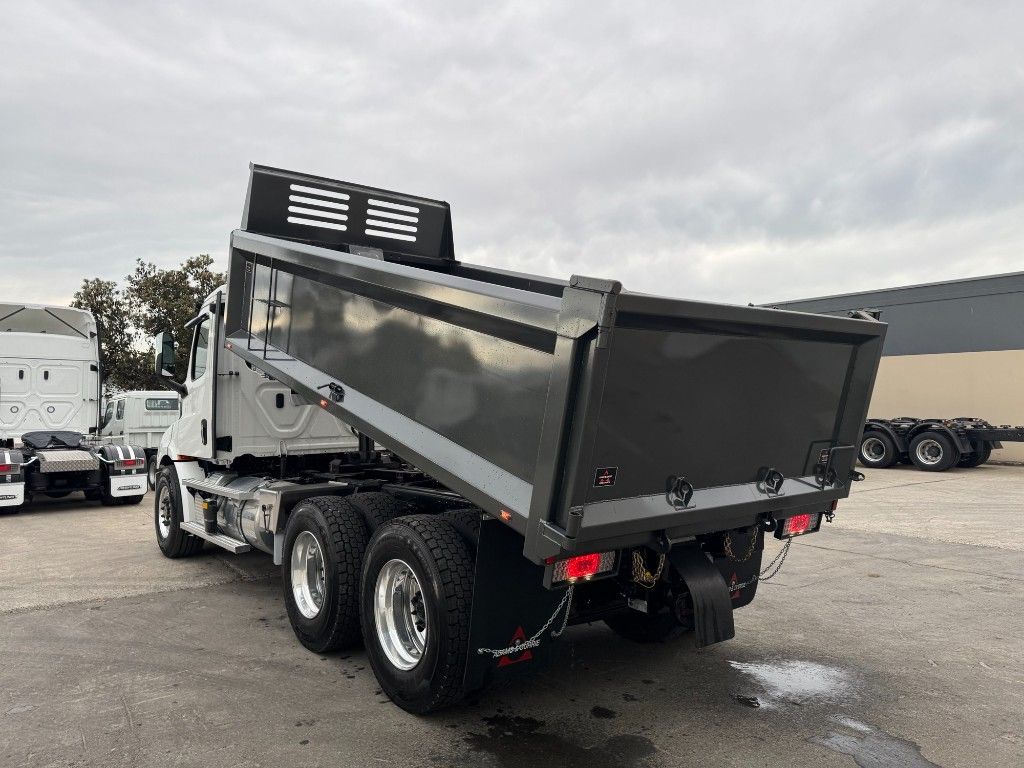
952 349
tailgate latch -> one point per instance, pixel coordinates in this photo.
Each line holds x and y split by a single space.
770 481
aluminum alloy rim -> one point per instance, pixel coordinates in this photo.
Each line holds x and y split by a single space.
874 449
929 452
308 576
164 510
400 615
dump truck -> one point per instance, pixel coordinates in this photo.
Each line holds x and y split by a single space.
451 463
933 445
50 382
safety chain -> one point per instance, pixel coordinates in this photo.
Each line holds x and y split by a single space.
774 566
732 555
641 575
534 641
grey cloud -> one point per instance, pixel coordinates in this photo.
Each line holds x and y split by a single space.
730 153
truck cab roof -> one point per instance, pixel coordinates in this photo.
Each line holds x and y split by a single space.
46 318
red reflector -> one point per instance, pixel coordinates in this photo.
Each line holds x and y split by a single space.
582 566
6 469
130 463
798 524
323 403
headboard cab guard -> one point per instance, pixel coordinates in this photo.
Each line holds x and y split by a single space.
348 217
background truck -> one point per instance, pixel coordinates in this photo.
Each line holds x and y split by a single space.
140 418
49 406
933 445
453 462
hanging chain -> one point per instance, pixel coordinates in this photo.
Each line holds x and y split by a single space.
641 575
534 641
732 555
770 571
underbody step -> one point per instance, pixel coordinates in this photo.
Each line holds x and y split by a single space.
206 486
226 542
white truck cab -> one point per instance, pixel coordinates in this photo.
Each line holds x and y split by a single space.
49 412
140 417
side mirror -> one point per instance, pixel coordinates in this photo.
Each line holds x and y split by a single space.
164 363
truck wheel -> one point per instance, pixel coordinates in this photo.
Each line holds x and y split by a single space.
646 628
877 450
415 605
131 501
377 508
981 454
94 495
933 452
167 516
152 470
324 543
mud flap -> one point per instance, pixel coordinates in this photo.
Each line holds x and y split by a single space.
712 604
510 603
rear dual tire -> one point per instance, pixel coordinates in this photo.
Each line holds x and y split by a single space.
933 452
981 454
877 450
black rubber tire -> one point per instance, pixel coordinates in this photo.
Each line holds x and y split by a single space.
888 458
949 453
340 530
131 501
977 458
178 543
441 560
467 522
378 508
646 628
94 495
152 470
12 510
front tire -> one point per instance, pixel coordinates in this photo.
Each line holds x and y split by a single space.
167 517
415 607
933 452
325 540
152 470
877 450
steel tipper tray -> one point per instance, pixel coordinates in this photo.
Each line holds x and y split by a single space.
582 415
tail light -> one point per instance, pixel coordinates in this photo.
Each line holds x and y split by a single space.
582 567
797 525
8 469
131 464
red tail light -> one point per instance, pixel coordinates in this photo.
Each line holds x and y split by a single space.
798 525
583 566
131 464
7 469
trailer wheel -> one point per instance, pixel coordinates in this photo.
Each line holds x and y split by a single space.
415 605
378 508
646 628
877 450
167 516
324 542
933 452
982 453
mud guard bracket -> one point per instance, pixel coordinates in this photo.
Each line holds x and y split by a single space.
712 605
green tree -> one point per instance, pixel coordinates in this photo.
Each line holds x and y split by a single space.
152 300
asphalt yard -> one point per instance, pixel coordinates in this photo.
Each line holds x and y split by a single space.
890 638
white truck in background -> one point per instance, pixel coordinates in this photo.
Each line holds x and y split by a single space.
49 412
140 417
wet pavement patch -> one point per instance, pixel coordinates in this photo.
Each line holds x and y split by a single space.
871 747
748 701
797 682
514 741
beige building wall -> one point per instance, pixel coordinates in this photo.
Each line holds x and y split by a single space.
988 385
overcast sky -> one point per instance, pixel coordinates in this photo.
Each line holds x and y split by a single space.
725 151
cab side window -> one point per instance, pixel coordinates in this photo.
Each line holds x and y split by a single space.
108 415
120 409
200 349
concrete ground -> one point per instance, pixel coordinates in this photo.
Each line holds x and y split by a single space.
892 638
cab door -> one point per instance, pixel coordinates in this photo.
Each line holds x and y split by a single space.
195 434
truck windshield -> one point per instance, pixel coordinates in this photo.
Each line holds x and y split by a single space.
161 403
